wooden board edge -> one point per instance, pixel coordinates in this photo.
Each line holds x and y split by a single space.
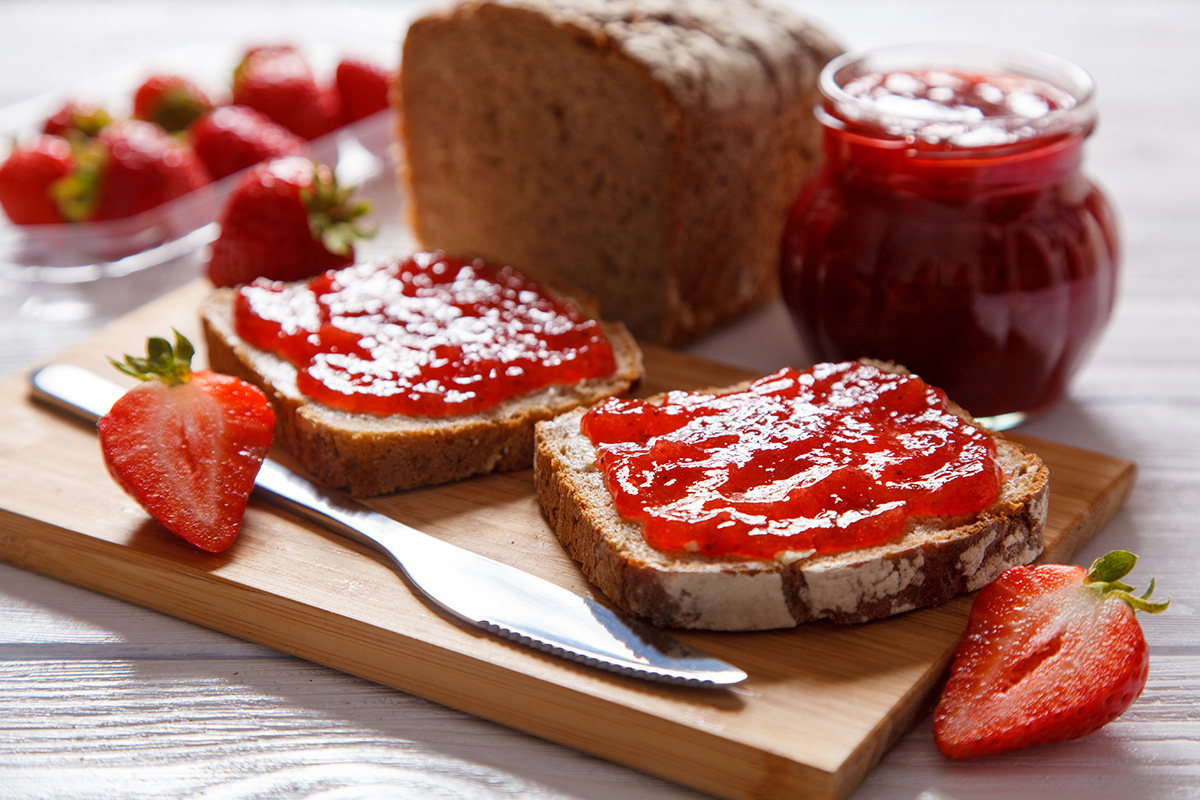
553 711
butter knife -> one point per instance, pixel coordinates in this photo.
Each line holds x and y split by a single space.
472 588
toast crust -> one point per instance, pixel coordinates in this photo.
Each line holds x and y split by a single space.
933 561
366 454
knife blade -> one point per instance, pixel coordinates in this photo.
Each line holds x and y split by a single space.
474 589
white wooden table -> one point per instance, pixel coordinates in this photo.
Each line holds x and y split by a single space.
100 699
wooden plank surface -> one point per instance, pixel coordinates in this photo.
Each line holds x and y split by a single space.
822 705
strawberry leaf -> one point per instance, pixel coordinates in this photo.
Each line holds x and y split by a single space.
1112 566
77 193
171 365
1105 577
333 212
1143 602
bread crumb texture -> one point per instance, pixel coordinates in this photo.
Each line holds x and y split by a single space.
839 589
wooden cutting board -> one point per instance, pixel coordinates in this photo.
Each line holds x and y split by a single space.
822 705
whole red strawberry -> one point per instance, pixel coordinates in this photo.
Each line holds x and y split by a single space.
232 138
362 88
278 81
285 220
77 121
1051 653
129 167
187 445
27 177
171 101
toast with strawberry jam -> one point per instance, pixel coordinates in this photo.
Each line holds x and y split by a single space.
846 492
417 371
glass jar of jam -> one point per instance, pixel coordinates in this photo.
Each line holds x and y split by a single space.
951 229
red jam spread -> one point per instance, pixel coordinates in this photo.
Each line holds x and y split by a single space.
834 458
952 230
426 336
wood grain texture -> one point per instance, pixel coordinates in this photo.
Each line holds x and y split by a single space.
296 588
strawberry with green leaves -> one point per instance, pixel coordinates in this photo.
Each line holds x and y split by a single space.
171 101
129 167
278 81
286 219
28 176
1051 652
187 445
77 121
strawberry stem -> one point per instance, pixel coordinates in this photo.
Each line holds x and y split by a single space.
171 365
77 193
333 212
1105 577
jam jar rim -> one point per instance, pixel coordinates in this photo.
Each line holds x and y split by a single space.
842 108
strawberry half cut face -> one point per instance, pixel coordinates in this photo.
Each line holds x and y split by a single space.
189 453
187 445
1051 652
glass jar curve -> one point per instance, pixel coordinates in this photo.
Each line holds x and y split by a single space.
964 244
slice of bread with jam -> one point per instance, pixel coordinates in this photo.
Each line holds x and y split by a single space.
932 559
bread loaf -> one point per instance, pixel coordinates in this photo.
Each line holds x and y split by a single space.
644 151
934 560
366 454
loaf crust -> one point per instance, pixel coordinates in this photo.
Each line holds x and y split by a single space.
932 562
645 151
366 454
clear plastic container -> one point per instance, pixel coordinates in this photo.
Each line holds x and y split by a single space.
73 273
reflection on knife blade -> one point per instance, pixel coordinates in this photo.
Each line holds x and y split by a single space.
470 587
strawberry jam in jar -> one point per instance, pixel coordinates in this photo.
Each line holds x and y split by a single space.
951 228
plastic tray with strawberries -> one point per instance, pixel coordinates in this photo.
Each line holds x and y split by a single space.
84 251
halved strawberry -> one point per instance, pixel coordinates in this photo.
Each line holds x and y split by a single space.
187 445
1051 652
